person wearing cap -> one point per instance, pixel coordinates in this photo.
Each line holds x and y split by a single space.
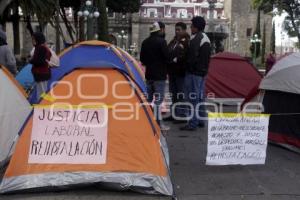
7 58
198 58
154 56
40 63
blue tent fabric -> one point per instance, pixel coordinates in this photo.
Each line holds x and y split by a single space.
89 56
25 78
139 79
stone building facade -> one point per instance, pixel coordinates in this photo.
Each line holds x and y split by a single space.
177 9
236 17
242 23
172 11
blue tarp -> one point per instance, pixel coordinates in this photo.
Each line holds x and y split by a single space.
25 78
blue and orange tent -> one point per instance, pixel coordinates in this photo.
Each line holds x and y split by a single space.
95 54
135 154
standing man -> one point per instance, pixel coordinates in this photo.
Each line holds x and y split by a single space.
7 58
154 55
197 67
178 48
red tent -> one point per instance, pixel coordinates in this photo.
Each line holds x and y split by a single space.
231 76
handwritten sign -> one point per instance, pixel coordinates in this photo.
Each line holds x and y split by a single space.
237 139
69 136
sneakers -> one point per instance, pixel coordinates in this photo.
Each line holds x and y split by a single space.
164 127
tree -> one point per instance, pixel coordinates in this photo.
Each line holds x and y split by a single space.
102 21
3 5
273 39
263 45
255 47
10 13
43 10
291 7
119 6
16 26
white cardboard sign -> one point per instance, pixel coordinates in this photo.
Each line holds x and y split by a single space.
69 136
237 139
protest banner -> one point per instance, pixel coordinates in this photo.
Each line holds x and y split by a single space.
237 139
68 136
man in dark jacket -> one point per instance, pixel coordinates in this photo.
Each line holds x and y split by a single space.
197 68
178 48
154 55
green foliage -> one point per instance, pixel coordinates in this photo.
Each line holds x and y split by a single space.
44 10
255 47
289 27
102 21
273 39
263 45
291 7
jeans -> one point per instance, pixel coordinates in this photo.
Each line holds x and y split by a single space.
194 94
41 87
156 92
202 107
176 88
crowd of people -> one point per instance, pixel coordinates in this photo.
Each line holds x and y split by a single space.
184 61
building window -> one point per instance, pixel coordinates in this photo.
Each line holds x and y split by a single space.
182 13
249 32
168 11
152 12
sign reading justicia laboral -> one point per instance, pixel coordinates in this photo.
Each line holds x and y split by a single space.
69 136
237 139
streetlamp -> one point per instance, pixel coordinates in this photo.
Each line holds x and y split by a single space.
211 25
132 49
89 12
254 41
123 36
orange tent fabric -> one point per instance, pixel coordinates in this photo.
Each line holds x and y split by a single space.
135 157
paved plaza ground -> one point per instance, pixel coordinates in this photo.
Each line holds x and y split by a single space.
279 179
